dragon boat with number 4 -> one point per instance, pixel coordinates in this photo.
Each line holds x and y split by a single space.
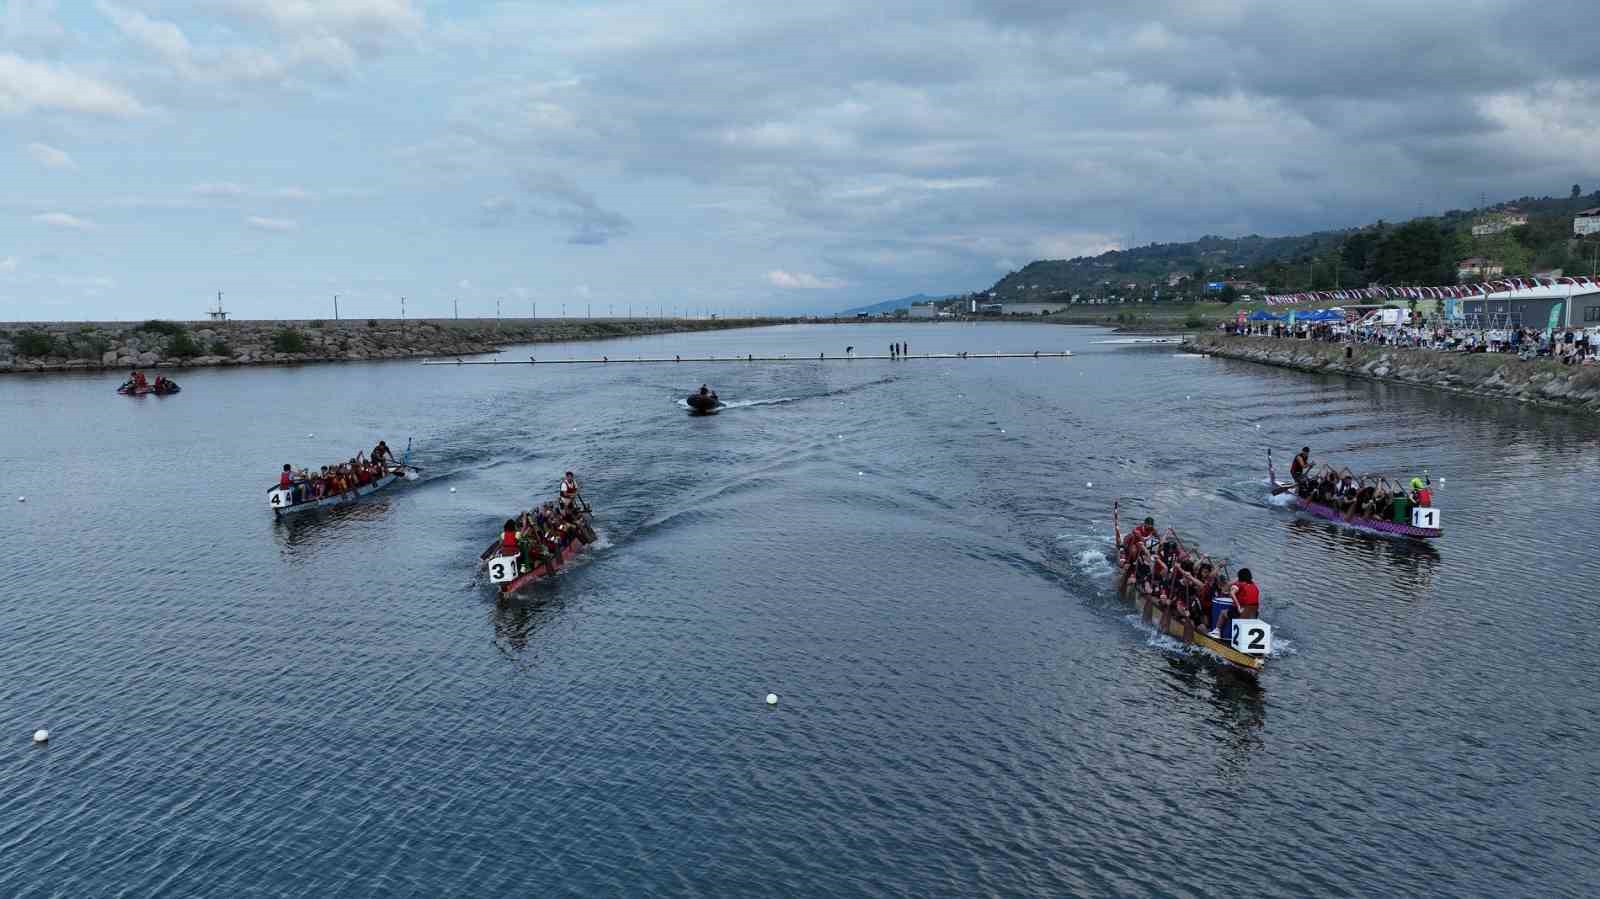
1249 640
542 555
1407 518
293 500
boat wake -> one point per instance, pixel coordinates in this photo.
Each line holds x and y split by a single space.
1155 638
683 403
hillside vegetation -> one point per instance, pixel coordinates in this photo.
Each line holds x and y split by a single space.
1423 251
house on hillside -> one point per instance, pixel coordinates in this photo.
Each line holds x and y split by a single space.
1478 267
1499 222
1586 222
1176 278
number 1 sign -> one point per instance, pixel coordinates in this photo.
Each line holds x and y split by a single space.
1426 517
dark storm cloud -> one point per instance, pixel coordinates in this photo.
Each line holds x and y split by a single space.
892 140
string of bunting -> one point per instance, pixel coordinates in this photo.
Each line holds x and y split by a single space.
1425 293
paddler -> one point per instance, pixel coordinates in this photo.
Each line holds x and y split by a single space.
382 456
1420 494
1246 604
1301 466
508 539
569 490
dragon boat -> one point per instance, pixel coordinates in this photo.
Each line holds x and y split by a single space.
1410 520
282 501
513 572
1245 649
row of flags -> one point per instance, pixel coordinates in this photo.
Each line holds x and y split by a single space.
1423 293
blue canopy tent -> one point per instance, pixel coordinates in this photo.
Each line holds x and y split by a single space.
1320 315
1262 315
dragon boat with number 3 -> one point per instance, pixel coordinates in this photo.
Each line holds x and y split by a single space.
1426 522
1247 646
511 573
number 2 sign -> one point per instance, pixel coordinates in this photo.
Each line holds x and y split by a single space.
1252 636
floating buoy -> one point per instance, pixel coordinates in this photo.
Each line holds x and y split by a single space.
452 490
861 474
1258 427
772 699
1002 430
22 499
311 435
43 736
1090 484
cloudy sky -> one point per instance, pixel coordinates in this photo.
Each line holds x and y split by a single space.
733 156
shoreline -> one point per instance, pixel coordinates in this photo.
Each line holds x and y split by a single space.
1485 375
55 347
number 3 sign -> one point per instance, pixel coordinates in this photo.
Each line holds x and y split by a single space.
503 569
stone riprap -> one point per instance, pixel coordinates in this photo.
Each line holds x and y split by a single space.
75 346
1545 383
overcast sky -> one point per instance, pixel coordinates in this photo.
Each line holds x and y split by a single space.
752 155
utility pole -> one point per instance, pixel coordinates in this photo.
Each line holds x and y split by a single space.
496 310
588 310
456 304
402 315
563 310
335 307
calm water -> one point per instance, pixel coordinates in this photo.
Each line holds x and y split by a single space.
908 554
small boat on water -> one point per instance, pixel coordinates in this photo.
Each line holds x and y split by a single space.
704 402
285 501
1407 519
511 572
161 387
1245 648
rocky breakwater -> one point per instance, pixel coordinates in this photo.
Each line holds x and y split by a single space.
1545 383
73 346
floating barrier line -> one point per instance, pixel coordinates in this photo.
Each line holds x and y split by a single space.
671 359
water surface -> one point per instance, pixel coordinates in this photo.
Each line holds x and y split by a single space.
909 554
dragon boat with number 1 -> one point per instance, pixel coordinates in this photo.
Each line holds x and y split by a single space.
1250 641
1426 522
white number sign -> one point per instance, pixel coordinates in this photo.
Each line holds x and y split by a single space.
280 498
1252 636
1425 517
503 569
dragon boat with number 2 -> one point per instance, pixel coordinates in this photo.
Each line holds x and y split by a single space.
1248 644
1425 522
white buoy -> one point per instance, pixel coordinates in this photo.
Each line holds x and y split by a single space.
311 435
1258 427
452 490
41 736
1090 484
1002 430
861 474
22 499
1441 482
772 699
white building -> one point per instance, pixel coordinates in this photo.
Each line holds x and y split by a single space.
1586 222
1032 308
1478 267
926 310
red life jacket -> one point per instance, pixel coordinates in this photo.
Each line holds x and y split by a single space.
508 541
285 480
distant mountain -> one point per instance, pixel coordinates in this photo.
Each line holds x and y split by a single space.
892 305
1422 251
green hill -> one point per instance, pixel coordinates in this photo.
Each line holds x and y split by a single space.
1423 251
